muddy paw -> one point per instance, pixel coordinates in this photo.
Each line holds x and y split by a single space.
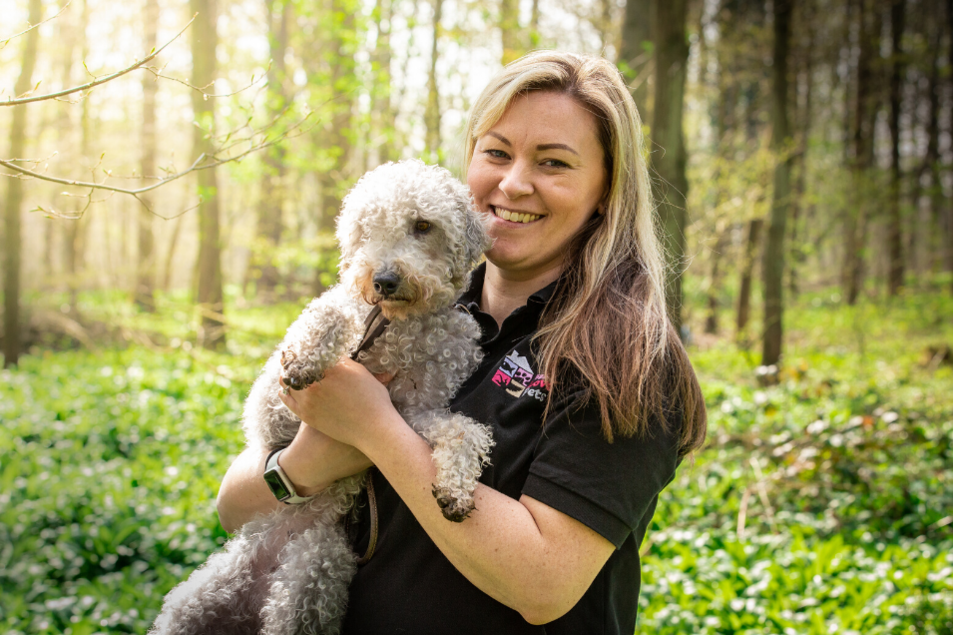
295 377
299 380
454 509
294 382
294 374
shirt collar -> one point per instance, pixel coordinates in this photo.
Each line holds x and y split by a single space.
470 299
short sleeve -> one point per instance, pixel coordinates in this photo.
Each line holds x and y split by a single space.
609 487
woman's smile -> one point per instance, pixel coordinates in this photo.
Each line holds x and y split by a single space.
514 216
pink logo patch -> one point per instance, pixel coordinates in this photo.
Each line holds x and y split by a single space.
516 376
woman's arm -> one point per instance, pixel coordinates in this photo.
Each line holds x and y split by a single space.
523 553
312 462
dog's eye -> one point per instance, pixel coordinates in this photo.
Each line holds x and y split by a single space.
422 227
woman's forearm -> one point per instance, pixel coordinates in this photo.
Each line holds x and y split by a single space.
244 494
312 461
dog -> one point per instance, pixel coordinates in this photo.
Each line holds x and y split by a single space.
409 235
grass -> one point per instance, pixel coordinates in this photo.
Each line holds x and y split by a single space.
820 505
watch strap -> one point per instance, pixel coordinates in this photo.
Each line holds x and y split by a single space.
279 483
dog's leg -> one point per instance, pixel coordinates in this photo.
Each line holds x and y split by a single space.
308 590
308 594
266 420
461 448
215 598
225 595
325 332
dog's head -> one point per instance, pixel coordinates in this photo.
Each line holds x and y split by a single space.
409 234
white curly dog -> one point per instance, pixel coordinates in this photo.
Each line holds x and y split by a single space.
409 236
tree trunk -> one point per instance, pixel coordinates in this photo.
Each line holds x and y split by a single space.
949 201
146 273
636 52
382 112
711 319
803 115
509 28
773 267
335 139
11 278
271 205
432 113
847 52
170 255
75 230
922 239
534 37
894 232
724 128
66 33
607 34
752 242
864 114
671 60
209 295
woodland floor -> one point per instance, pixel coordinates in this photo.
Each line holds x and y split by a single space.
822 504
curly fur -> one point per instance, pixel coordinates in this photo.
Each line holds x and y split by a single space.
288 572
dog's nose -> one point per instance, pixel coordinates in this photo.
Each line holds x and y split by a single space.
386 283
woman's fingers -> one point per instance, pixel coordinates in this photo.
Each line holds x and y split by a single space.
384 378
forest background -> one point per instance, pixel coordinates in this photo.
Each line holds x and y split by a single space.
803 164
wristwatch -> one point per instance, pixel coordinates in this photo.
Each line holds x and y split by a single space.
279 483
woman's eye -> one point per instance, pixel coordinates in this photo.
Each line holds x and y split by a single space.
555 163
497 154
422 227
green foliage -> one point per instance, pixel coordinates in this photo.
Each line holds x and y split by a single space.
110 468
822 504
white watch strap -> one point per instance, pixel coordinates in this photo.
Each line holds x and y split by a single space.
273 467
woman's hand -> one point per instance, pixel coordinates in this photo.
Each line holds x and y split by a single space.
348 404
336 411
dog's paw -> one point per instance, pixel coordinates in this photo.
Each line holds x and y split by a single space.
295 382
294 374
454 509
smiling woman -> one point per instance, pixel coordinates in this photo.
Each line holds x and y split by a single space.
589 394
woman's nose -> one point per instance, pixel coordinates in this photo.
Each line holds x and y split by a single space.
516 183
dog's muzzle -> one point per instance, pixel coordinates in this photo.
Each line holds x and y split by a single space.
386 283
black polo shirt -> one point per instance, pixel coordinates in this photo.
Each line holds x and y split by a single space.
410 587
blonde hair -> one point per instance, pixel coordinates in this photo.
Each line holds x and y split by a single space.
607 324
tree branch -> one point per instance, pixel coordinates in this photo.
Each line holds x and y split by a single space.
3 43
99 80
158 74
198 164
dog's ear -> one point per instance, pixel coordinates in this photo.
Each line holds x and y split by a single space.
350 233
477 238
355 207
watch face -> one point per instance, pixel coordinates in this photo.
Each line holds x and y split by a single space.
276 485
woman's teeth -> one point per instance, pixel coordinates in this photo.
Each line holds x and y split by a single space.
515 217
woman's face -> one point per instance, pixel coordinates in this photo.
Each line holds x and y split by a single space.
539 173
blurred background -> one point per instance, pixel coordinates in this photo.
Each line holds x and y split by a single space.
172 172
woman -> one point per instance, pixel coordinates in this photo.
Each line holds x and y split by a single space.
591 397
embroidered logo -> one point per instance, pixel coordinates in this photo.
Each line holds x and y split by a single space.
516 376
